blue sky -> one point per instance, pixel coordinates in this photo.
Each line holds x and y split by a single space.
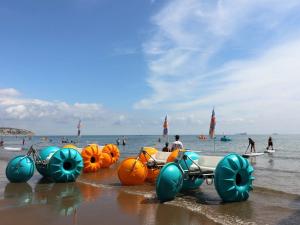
121 66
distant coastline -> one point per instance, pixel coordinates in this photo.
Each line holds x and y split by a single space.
8 131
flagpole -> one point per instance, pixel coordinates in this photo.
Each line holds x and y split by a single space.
212 127
214 144
78 131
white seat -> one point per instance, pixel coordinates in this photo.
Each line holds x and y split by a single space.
160 157
206 163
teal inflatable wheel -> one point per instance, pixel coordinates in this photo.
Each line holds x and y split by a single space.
45 154
233 178
65 165
169 182
190 183
20 169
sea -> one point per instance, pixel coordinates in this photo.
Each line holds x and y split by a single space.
274 200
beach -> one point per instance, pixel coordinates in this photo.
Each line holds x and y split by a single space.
99 198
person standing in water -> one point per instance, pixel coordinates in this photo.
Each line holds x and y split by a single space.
23 142
118 141
270 143
176 144
251 145
124 141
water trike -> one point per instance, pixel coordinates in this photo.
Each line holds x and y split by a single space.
231 175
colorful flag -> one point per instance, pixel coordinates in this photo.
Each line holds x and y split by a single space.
165 126
78 127
212 124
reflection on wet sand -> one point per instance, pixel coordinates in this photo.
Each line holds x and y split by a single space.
129 203
64 198
21 193
150 211
104 176
293 218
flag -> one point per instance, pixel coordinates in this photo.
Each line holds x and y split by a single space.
212 124
78 127
165 126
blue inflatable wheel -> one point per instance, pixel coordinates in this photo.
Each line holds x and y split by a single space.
169 182
44 154
65 165
186 164
190 183
233 178
20 169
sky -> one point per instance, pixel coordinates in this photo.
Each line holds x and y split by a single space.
121 66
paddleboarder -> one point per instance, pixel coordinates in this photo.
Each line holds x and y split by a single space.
270 143
251 145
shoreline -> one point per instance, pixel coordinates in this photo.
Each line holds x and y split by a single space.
94 193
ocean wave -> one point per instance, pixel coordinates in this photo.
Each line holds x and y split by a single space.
286 157
275 192
209 212
277 170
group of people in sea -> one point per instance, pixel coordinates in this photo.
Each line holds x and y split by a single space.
252 144
65 140
124 141
177 144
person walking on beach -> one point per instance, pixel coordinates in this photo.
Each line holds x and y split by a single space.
176 144
251 145
166 148
270 143
23 142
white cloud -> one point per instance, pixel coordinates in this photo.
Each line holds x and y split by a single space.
9 92
54 117
193 66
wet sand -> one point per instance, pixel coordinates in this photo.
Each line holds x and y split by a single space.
93 199
98 198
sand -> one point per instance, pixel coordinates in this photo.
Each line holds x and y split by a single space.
93 199
98 198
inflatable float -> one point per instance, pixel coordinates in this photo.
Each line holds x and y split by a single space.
58 164
225 138
231 175
145 166
96 157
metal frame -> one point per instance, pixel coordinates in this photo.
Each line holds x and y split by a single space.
208 176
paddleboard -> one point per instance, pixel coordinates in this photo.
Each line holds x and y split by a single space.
13 149
252 154
269 151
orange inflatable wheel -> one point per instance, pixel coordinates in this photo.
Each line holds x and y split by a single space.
132 172
150 151
173 156
113 151
91 156
152 174
106 160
